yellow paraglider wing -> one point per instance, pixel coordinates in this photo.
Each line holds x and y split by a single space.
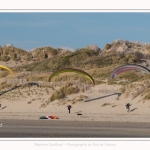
3 67
71 70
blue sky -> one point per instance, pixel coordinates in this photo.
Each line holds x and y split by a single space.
72 29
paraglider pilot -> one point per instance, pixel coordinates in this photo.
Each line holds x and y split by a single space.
128 106
69 107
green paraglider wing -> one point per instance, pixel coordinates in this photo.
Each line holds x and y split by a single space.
64 70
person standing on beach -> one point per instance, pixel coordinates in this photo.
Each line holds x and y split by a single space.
128 106
69 107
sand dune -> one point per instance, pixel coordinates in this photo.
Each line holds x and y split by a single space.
101 103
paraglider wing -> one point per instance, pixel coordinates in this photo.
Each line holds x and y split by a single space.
72 70
3 67
127 68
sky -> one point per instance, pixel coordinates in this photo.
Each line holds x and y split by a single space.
28 30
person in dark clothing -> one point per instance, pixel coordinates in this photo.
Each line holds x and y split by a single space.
128 106
69 107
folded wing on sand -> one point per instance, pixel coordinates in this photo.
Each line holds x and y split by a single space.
48 117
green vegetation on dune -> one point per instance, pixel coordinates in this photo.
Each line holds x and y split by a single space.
66 89
98 64
81 59
12 53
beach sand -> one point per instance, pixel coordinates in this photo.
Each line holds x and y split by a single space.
100 103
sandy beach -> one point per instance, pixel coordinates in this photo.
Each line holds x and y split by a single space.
100 103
